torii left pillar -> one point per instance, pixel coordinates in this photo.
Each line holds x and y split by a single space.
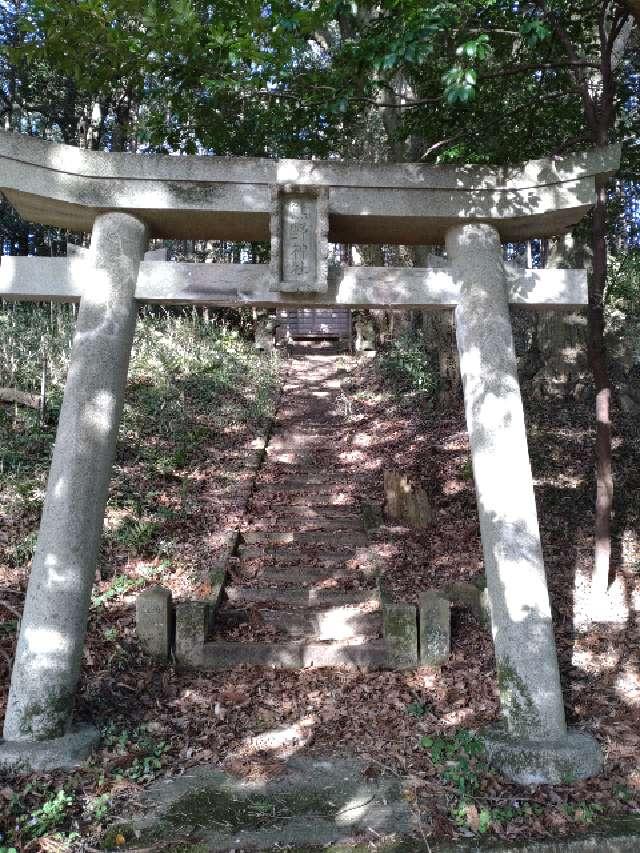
37 726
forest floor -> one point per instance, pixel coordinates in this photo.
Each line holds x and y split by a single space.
418 725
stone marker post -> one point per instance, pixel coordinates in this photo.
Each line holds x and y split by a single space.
51 642
527 664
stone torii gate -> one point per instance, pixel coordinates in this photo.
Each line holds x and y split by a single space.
300 206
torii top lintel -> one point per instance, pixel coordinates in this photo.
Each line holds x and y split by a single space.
201 197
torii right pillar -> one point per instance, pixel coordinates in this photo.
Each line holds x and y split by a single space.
532 744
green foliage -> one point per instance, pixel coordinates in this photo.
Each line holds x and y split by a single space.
51 815
406 366
416 709
487 816
462 759
146 753
189 380
583 812
21 553
99 807
119 586
623 289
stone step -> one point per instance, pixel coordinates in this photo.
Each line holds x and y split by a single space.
287 479
329 513
307 553
300 597
303 487
323 573
304 450
293 466
221 655
320 501
309 538
306 458
304 524
307 427
322 624
313 803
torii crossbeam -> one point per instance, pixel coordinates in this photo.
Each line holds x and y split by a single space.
299 206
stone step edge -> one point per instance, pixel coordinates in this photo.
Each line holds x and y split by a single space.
269 539
397 650
342 624
288 655
299 597
413 635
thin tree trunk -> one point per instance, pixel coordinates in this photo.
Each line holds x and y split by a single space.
599 367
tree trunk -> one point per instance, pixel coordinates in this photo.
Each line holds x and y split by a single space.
599 367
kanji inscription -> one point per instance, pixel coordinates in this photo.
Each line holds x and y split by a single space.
299 251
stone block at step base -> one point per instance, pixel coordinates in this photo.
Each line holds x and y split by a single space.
470 596
435 628
294 655
405 501
154 622
400 625
578 756
312 804
65 752
192 621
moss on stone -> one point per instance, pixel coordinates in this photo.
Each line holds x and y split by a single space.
47 721
215 808
516 701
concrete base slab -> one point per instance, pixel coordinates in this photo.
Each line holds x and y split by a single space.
68 751
578 756
315 802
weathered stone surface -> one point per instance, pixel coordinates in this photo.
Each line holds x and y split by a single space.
435 628
316 802
232 198
405 501
300 597
544 762
68 751
295 655
192 622
528 677
64 279
472 597
154 621
401 634
302 253
51 641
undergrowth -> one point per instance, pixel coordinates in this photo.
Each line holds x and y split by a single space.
406 366
189 380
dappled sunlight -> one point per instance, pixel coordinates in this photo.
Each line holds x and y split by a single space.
47 644
99 413
280 743
627 685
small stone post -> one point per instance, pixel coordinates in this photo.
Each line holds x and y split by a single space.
154 622
528 676
54 623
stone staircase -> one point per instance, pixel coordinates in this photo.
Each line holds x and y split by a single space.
303 591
